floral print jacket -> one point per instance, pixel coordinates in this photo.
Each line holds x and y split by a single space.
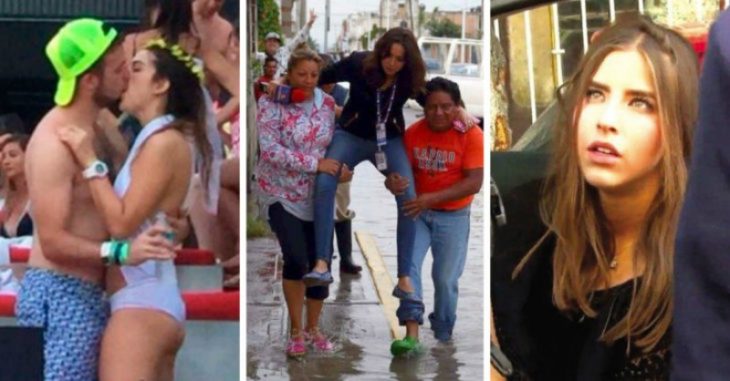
292 141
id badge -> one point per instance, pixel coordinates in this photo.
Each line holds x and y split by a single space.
380 162
380 134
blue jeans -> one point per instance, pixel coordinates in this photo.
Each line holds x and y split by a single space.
351 150
447 234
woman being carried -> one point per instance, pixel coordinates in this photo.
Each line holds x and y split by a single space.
371 128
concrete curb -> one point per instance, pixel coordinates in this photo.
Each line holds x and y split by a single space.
382 281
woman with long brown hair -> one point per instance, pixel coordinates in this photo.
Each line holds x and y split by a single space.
371 128
592 299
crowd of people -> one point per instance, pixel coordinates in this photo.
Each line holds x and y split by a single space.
313 133
101 282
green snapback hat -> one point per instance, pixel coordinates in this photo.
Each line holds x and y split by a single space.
74 49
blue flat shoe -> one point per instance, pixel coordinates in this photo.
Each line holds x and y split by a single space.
314 279
400 294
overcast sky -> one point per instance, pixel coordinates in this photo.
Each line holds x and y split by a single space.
340 9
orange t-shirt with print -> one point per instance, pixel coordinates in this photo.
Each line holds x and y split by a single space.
438 159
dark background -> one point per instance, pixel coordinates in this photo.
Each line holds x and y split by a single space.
27 79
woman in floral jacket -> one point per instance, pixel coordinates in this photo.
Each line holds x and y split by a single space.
293 139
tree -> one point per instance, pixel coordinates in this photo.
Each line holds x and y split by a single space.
268 19
375 32
422 18
444 28
313 45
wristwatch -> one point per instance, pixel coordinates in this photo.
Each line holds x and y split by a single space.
96 169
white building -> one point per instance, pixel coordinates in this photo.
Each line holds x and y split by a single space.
395 13
355 27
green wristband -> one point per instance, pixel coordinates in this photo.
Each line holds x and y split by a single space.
124 252
117 251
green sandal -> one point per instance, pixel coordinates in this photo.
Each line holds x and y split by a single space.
404 346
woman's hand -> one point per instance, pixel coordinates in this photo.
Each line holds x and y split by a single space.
79 141
192 44
345 174
180 227
271 87
328 166
151 244
312 17
396 183
467 119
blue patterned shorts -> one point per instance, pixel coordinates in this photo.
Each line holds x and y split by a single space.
73 314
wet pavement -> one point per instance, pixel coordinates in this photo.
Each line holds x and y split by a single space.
353 315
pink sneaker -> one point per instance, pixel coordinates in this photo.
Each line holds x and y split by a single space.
319 341
296 347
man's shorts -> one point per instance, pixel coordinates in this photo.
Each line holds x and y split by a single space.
73 314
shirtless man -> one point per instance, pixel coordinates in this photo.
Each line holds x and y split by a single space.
62 291
210 26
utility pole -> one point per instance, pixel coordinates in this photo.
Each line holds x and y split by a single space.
326 23
369 29
463 19
387 11
410 14
302 15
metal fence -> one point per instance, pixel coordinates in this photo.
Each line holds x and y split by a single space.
63 9
564 12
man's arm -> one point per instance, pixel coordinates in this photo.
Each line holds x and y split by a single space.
302 35
224 72
50 171
282 55
347 69
470 184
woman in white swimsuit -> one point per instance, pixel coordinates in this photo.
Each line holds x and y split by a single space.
164 93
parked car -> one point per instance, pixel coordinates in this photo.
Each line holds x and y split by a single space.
459 60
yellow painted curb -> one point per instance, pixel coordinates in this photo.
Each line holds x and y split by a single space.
382 280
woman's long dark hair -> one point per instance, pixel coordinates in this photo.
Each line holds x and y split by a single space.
174 18
413 74
145 20
186 102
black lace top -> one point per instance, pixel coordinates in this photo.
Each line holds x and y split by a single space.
544 343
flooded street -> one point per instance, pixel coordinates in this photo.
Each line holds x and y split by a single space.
353 315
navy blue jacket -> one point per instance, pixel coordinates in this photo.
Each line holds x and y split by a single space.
701 336
360 113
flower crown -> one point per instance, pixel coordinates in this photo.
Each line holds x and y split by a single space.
180 55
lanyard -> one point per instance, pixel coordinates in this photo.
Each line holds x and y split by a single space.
381 161
390 104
